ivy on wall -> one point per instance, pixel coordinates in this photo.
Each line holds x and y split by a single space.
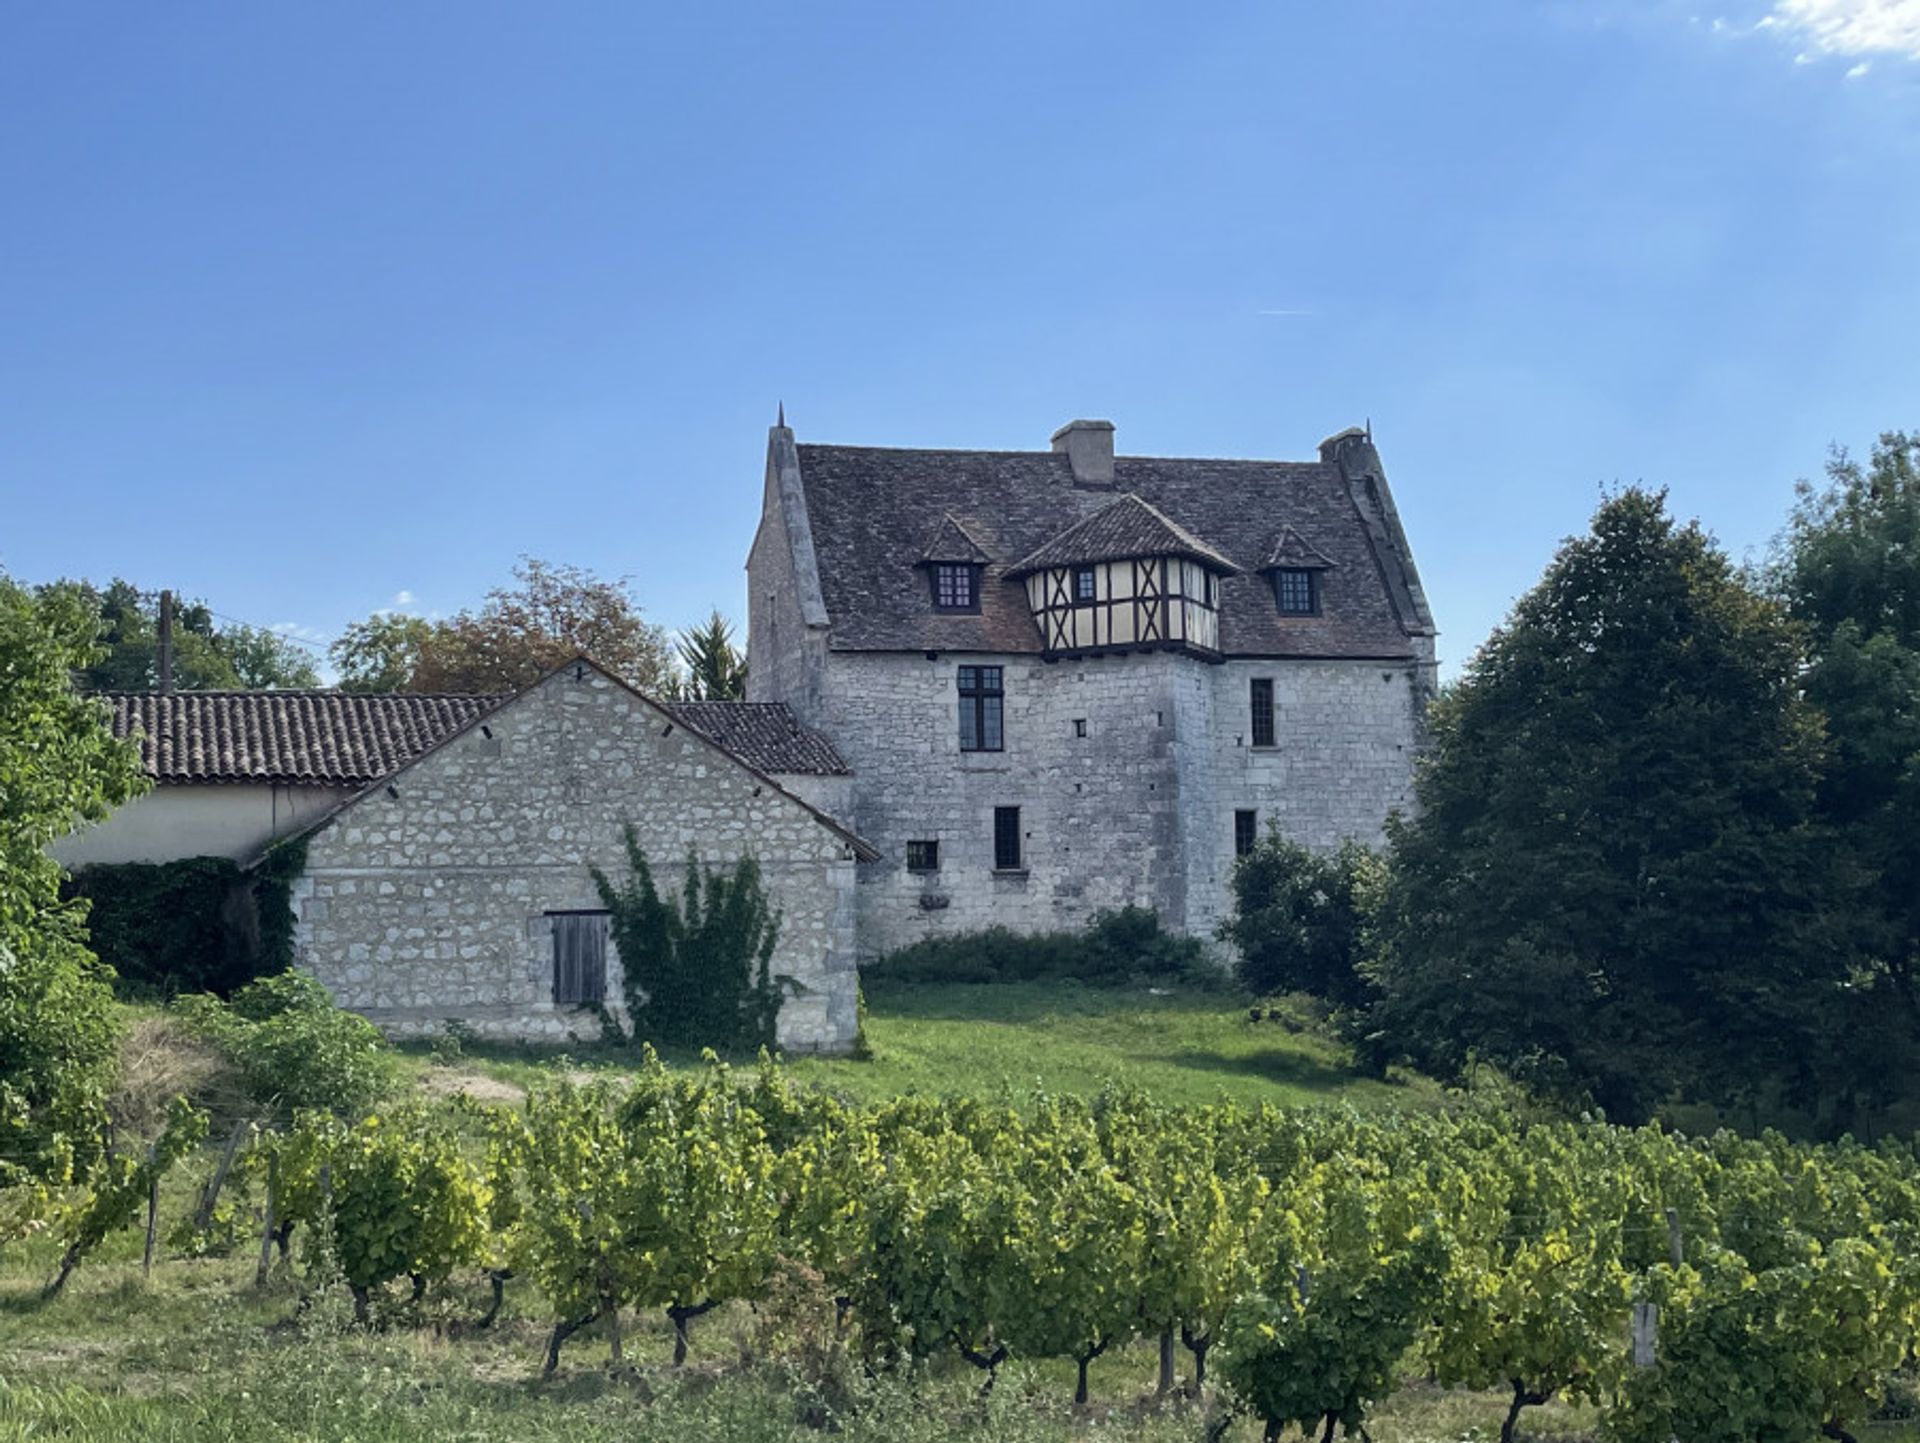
198 924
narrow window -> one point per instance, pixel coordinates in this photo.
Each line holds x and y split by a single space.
1263 711
981 700
1295 591
956 587
923 856
579 958
1083 583
1079 726
1246 831
1006 839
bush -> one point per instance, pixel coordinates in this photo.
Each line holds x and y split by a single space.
293 1048
1119 947
165 927
1300 919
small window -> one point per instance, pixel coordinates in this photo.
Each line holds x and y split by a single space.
1083 585
1006 839
1296 591
956 587
1246 831
1212 595
579 958
923 856
1079 726
1263 711
982 701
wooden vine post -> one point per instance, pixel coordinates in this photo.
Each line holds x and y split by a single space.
266 1222
153 1207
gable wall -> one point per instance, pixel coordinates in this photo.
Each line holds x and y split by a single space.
431 905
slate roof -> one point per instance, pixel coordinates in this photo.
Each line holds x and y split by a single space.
1295 553
951 543
872 509
312 738
763 734
347 739
1128 528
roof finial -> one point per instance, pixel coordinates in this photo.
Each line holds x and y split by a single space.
782 422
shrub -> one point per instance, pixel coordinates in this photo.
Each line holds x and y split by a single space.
293 1048
1124 946
1300 918
165 927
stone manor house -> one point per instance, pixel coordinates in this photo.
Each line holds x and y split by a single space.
986 688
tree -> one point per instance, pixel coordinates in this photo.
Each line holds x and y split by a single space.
60 765
207 655
1611 884
518 634
1848 567
714 668
381 653
1299 917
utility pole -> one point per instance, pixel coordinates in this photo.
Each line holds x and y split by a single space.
166 641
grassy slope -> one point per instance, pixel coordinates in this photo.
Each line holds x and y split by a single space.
1056 1037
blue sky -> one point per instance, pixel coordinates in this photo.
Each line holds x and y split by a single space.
309 309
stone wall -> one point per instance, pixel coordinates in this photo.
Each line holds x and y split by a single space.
428 900
1127 769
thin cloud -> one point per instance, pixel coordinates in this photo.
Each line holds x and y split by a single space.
1283 313
1851 27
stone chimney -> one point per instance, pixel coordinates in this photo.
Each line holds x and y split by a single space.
1089 449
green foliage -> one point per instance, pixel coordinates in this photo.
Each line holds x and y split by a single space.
1120 947
1300 919
698 967
381 653
273 878
207 654
293 1049
1611 885
121 1184
59 767
712 668
162 926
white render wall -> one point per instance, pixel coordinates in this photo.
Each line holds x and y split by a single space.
431 904
238 820
1138 811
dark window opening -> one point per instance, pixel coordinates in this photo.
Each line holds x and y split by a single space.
923 856
1006 839
1296 592
1263 711
1079 726
956 587
981 703
1083 587
579 958
1212 581
1246 831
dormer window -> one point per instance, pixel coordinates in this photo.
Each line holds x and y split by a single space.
1297 590
956 587
1084 588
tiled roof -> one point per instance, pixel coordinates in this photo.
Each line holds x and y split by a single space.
871 511
951 543
315 738
763 734
1295 553
1128 528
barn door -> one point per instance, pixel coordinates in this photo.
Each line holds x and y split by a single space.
580 957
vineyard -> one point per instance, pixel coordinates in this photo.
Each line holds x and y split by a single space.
1291 1267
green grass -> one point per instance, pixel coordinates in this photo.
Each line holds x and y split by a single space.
1056 1037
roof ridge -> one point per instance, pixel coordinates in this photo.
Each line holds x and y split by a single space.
318 691
1313 463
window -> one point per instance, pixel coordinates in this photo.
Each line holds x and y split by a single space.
1006 839
1079 726
956 587
1212 595
1246 831
923 856
579 958
1083 583
1263 711
981 700
1296 592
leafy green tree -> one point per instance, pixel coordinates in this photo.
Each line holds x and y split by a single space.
712 668
208 655
1848 567
1300 916
294 1050
382 653
1611 884
60 766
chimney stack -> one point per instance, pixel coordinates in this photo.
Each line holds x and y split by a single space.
1089 449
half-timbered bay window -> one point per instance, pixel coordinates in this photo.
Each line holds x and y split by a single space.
981 701
1262 711
579 958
